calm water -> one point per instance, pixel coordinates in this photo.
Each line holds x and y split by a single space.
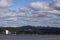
29 37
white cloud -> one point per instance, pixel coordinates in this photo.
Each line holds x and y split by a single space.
56 4
43 15
7 18
5 3
6 12
38 14
24 9
40 5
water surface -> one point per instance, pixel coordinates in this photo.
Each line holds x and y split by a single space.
29 37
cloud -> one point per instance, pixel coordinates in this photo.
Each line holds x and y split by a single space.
56 4
40 14
7 18
6 3
6 12
24 9
36 14
40 5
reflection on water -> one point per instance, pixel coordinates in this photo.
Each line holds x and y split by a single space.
29 37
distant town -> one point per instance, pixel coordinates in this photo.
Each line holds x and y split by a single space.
30 30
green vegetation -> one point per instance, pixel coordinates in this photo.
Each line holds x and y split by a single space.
30 30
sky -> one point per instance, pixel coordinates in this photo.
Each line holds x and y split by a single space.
16 13
22 3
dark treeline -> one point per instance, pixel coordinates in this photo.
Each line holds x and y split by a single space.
31 30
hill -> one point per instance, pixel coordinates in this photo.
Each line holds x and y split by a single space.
31 30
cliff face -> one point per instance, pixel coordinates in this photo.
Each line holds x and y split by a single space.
31 30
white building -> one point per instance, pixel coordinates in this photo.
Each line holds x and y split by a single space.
7 32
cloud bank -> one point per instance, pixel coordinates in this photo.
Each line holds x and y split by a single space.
5 3
36 14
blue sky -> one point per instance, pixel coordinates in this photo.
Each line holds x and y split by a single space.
21 3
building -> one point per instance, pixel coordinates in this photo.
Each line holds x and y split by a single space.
7 32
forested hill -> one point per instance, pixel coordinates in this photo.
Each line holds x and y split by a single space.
32 29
